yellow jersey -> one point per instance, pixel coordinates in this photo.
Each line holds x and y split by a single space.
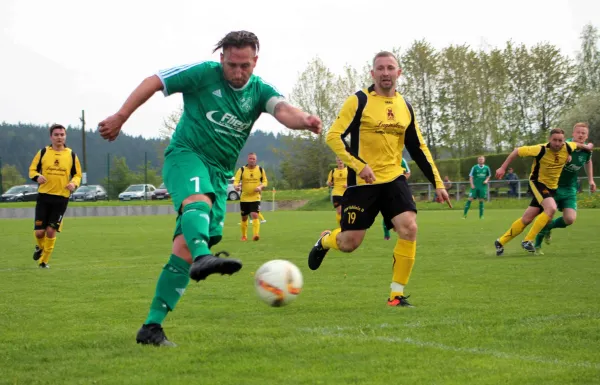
251 178
373 129
547 163
339 178
59 168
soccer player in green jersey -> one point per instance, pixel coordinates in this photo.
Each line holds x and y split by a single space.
478 177
221 103
386 231
566 194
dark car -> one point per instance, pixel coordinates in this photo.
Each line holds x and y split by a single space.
92 192
23 193
161 192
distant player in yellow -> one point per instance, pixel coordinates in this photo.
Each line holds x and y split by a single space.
57 170
251 180
548 163
337 179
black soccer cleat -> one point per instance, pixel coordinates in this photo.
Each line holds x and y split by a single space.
399 300
499 248
206 265
528 246
37 254
43 266
153 334
318 252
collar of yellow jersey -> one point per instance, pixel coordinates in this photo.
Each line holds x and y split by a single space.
371 91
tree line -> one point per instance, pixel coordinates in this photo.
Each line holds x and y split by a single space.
467 101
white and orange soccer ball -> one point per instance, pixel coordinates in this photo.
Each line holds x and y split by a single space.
278 282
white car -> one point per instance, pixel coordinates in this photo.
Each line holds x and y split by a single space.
232 195
137 191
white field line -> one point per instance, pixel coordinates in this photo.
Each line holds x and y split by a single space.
364 333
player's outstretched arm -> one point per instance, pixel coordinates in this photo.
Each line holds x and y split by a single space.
589 169
502 170
296 119
110 127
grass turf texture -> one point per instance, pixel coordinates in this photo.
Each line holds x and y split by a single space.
517 319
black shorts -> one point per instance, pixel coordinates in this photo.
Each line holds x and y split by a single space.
362 204
337 200
539 192
49 211
249 207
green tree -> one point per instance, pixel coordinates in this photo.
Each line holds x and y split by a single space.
553 86
519 113
588 60
120 177
587 109
421 71
11 177
306 159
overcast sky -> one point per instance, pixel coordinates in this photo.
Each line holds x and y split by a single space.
61 56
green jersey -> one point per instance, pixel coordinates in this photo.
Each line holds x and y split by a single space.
480 174
569 174
404 165
217 118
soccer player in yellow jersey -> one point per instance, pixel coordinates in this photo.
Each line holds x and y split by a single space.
251 180
380 124
57 170
337 179
549 160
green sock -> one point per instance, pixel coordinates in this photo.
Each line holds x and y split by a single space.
386 232
171 284
558 223
195 222
480 209
467 205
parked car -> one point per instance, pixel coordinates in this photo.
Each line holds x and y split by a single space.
161 192
232 195
137 191
22 193
92 192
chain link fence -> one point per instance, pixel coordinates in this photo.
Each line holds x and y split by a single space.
497 189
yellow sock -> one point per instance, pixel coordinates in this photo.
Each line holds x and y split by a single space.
48 249
515 229
330 241
244 226
540 222
260 216
255 227
339 218
404 260
40 241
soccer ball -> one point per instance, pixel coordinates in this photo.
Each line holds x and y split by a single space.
278 282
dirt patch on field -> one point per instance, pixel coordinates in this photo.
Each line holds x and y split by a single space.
290 205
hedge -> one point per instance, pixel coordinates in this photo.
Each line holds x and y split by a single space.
458 169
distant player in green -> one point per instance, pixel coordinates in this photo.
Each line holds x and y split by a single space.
479 177
386 231
221 103
566 194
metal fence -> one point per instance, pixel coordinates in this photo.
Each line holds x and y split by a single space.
497 189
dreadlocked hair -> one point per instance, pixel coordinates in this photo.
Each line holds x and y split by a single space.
238 39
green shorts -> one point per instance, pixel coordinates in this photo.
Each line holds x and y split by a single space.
186 174
566 198
478 192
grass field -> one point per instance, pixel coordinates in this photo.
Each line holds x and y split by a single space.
478 319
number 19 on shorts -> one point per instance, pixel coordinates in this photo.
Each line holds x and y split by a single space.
351 217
